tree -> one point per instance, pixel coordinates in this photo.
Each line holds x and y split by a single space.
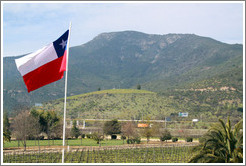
6 137
6 128
38 128
49 122
147 131
39 115
56 130
24 126
75 131
166 135
112 127
97 137
138 86
81 137
128 129
37 131
221 144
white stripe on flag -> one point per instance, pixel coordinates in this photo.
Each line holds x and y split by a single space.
34 60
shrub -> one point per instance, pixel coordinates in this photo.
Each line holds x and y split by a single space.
174 139
137 140
129 141
83 135
88 135
189 139
166 135
113 136
41 137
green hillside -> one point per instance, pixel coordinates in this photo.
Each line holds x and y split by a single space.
220 96
138 104
109 104
116 103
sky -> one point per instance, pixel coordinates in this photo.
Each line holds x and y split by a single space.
27 27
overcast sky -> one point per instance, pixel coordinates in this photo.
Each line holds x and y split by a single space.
28 27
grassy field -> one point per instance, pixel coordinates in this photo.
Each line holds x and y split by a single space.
172 154
70 142
77 142
114 91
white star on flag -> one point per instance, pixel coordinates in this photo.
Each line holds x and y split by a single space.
63 43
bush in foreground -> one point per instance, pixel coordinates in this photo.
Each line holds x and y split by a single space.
88 135
166 135
174 139
136 140
189 139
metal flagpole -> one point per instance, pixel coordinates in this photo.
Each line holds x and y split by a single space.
65 98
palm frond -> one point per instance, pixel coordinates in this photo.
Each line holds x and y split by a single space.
221 144
238 132
223 126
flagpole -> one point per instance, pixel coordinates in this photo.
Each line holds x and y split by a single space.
65 98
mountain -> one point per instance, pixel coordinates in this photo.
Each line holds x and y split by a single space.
125 59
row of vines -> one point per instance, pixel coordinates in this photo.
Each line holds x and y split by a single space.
174 154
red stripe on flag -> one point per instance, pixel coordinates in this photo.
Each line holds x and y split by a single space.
64 62
46 74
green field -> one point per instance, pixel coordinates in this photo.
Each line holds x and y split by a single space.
70 142
74 142
172 154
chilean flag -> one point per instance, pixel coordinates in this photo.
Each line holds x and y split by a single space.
44 66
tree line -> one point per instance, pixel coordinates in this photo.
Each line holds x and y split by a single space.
39 124
223 143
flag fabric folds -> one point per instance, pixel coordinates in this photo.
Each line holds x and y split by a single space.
44 66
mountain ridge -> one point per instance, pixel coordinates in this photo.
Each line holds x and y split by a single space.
125 59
